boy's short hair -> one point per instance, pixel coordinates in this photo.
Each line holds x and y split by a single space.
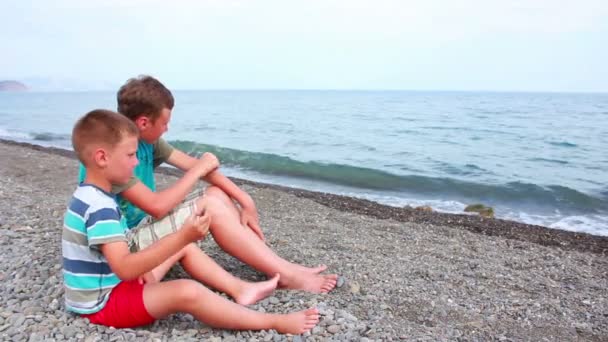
100 127
143 95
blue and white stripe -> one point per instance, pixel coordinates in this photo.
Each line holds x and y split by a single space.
92 219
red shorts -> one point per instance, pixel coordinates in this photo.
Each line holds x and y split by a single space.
125 307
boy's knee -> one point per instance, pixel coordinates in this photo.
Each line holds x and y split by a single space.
211 204
190 249
216 192
189 291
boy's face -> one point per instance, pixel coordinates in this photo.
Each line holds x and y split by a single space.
151 132
122 160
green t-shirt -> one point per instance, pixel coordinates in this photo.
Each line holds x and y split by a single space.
150 156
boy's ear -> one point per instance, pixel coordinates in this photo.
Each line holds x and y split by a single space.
101 157
142 122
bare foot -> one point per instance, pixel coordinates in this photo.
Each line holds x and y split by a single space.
311 282
251 293
313 270
297 322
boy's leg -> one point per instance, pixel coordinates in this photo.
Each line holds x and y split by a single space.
162 299
243 244
235 239
204 269
159 272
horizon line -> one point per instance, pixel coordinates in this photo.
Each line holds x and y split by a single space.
331 89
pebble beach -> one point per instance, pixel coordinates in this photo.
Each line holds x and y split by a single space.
405 274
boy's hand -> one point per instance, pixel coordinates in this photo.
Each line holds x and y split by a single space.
147 278
206 163
196 226
250 218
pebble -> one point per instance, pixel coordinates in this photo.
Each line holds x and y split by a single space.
19 320
340 281
355 288
91 338
333 329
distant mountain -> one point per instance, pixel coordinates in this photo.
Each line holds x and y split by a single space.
53 84
12 86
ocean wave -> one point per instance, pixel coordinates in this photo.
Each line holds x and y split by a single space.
460 170
49 136
592 224
563 144
13 135
516 194
32 136
548 160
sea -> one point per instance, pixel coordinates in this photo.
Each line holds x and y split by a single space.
538 158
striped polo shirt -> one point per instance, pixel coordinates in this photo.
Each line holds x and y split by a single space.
92 219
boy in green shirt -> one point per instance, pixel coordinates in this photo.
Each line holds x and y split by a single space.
148 103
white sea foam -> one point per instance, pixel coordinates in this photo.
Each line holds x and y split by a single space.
14 135
592 224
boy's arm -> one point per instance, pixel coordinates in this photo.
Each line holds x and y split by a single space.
158 204
249 213
129 266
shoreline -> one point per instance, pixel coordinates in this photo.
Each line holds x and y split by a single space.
407 275
541 235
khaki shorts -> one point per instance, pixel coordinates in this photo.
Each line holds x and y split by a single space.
149 230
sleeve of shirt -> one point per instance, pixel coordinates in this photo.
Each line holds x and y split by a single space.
104 226
162 151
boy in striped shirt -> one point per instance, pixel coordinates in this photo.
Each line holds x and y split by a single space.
101 275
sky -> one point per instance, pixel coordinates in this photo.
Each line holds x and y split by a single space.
493 45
